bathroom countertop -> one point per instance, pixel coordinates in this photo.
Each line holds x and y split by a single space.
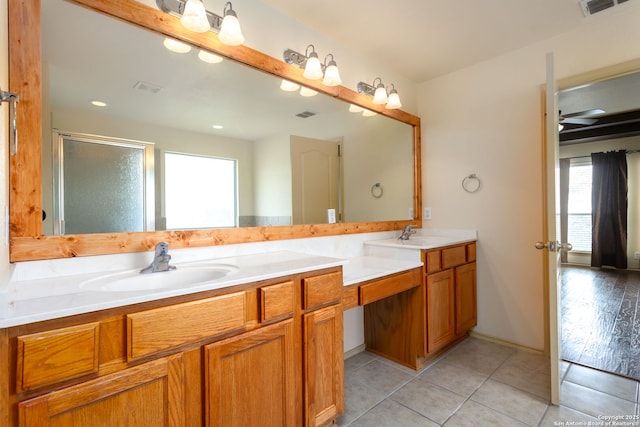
361 269
43 299
428 239
31 301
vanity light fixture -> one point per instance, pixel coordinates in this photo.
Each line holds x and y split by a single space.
368 113
195 17
353 108
379 93
313 68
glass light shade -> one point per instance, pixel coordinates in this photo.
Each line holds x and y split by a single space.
194 17
393 102
289 86
313 69
380 96
176 46
305 91
368 113
209 57
230 31
353 108
332 76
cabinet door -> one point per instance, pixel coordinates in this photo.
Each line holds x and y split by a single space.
466 305
440 310
250 378
150 394
323 365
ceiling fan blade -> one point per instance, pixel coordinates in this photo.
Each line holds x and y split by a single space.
584 113
578 121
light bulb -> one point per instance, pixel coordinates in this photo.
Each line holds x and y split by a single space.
289 86
380 96
230 31
393 102
176 46
332 75
313 69
305 91
209 57
194 17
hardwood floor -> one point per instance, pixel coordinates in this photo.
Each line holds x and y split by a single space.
601 319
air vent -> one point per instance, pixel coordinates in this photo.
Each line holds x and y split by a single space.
306 114
590 7
147 87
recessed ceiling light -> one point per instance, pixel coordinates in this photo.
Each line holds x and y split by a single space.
97 103
218 126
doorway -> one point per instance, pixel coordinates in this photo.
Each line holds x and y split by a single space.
599 320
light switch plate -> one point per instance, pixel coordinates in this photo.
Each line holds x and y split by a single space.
427 214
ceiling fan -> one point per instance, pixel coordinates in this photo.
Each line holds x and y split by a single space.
580 117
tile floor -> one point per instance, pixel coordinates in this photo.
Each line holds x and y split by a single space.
480 383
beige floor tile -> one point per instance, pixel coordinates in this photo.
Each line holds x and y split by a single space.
614 385
593 402
453 377
381 376
473 414
526 371
391 414
435 403
479 355
358 360
358 399
523 406
561 415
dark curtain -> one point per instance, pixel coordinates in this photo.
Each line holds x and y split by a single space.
609 209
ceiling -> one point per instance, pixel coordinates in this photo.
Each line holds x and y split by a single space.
427 38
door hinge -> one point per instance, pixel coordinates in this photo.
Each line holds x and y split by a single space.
12 98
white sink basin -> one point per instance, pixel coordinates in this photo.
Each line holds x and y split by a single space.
186 275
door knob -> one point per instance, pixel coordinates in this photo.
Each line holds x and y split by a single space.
554 246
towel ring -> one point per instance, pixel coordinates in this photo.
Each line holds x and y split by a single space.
471 183
376 190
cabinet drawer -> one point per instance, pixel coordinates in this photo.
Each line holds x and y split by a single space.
49 357
433 261
321 290
454 256
164 328
276 301
471 252
388 286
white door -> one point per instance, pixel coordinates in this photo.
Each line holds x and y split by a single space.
315 171
552 244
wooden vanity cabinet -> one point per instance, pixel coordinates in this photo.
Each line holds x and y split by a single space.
450 293
268 353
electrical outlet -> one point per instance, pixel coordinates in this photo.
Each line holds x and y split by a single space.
427 214
411 213
636 255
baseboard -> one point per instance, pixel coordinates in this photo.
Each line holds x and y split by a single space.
505 343
354 351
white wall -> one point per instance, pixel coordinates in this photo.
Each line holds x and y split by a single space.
486 119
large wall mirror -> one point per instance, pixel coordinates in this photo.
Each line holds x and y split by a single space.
275 164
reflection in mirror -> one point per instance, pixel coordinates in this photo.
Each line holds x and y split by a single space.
225 111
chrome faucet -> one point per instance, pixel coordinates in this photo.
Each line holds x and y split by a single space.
406 233
160 260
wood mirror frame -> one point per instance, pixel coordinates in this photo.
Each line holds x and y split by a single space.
25 171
